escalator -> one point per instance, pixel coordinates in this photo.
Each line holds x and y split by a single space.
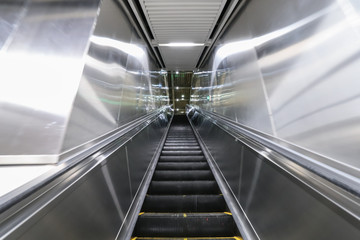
184 200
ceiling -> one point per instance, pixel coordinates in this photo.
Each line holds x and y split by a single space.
174 21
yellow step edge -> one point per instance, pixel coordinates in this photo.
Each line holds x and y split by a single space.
185 213
235 238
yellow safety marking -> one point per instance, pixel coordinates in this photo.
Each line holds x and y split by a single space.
204 238
141 213
185 215
134 238
228 213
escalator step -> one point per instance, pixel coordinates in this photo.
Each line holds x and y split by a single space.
184 203
182 158
181 153
182 175
183 187
184 148
181 141
185 225
191 238
181 138
181 144
183 200
182 166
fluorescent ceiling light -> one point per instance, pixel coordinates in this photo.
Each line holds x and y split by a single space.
185 44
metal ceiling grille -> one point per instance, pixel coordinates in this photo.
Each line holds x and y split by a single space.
181 21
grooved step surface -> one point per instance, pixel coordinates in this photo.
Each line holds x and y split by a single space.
185 225
184 203
181 153
182 166
183 200
183 148
181 144
183 187
191 238
181 175
182 158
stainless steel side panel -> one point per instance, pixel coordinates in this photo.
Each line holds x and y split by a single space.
71 72
290 69
277 204
117 84
42 45
92 202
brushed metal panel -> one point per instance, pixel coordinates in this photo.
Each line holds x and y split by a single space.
139 160
10 15
289 69
277 204
316 107
93 209
117 82
41 64
91 202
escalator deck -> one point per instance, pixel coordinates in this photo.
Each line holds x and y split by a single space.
183 200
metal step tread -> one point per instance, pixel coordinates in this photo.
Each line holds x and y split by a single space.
177 175
198 158
183 187
184 203
182 166
187 238
185 225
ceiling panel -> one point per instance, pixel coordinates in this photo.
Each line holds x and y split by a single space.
181 21
180 58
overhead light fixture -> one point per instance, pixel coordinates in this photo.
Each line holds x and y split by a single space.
184 44
177 72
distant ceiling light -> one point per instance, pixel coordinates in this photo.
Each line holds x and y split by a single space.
177 72
185 44
182 96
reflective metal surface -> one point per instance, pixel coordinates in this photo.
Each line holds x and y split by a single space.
120 81
289 69
42 45
280 202
91 200
55 98
244 226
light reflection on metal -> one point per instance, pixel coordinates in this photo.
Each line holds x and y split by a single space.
294 79
245 45
128 48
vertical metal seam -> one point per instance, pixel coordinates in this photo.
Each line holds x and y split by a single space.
15 29
128 169
268 105
241 167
